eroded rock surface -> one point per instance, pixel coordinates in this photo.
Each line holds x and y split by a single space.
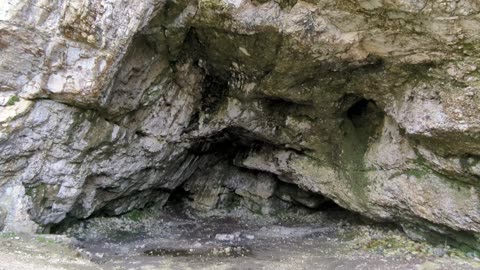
109 106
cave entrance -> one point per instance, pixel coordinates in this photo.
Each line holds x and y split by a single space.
362 120
365 115
220 186
220 183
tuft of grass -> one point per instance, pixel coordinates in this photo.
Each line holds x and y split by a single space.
7 234
12 100
135 215
42 239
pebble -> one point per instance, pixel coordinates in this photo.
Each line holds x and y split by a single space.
224 237
439 252
250 237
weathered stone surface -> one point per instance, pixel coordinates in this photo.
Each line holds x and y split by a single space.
3 215
222 185
110 105
72 161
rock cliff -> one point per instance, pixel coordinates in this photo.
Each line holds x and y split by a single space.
108 106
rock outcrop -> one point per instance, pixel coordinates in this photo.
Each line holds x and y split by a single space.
108 106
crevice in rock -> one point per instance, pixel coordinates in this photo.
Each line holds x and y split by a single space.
357 112
362 118
437 234
284 106
214 89
229 142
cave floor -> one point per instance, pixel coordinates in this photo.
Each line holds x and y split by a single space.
238 240
322 240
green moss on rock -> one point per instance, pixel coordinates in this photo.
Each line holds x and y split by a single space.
135 215
12 100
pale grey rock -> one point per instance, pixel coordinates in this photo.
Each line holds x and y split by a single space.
213 184
75 162
224 237
250 236
16 206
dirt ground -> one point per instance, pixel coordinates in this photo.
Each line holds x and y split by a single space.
167 240
40 252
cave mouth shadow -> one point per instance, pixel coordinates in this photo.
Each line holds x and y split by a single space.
357 112
298 208
363 113
223 150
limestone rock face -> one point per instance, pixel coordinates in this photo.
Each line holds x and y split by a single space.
108 106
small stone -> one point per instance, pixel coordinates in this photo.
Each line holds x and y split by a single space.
250 237
244 51
224 237
91 39
470 254
439 252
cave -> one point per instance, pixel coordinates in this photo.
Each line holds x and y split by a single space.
239 134
365 118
